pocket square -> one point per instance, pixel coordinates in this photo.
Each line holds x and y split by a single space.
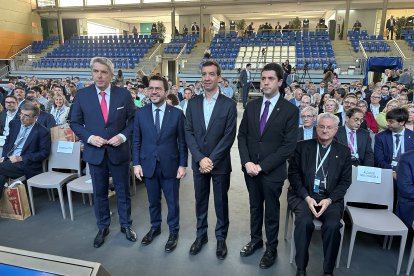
118 108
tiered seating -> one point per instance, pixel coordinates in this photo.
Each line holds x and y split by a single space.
124 51
177 44
409 37
314 51
39 46
224 49
375 43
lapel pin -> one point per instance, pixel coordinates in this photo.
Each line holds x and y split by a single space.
278 109
336 156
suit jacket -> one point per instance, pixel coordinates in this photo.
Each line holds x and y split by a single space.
3 116
405 184
46 119
243 77
388 24
302 172
216 140
35 149
273 148
87 119
384 146
168 148
301 133
364 148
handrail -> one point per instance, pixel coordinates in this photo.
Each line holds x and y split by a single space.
27 48
155 51
362 49
182 51
4 71
399 50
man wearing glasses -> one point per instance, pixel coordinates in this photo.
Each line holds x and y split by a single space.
374 107
8 114
350 101
26 146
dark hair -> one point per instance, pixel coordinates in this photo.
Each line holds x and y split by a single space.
341 91
399 114
173 98
189 89
20 87
36 89
141 86
211 62
385 86
31 107
248 64
352 111
274 67
159 78
11 96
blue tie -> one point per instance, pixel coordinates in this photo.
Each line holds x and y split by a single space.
157 120
397 141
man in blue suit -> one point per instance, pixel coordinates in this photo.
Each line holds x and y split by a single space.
405 184
102 117
26 146
391 143
210 130
159 154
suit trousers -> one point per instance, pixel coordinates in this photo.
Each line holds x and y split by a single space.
100 182
245 88
221 185
331 236
264 199
9 170
171 189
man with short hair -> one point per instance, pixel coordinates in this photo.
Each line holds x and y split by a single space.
20 94
198 90
322 89
188 94
245 81
8 114
307 130
350 101
227 90
45 119
320 172
385 95
357 139
305 101
298 92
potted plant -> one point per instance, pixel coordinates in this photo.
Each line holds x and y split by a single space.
399 26
296 24
241 26
161 30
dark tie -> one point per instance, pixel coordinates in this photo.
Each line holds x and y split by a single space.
19 141
157 120
104 107
397 141
264 117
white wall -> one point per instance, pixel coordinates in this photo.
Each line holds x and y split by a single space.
368 19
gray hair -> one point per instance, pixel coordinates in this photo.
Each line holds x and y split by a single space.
336 104
310 109
328 115
104 61
31 107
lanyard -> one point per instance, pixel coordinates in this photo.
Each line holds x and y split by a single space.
318 167
397 148
58 113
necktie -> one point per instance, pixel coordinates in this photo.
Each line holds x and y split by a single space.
397 141
104 106
18 143
351 141
264 117
157 120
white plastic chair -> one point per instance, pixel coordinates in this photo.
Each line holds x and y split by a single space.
80 185
55 180
374 221
411 258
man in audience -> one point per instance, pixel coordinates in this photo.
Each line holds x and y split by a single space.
394 141
305 101
264 147
357 139
8 114
26 147
198 90
350 101
385 95
40 96
160 157
374 107
45 119
188 94
20 94
320 172
298 92
405 184
322 89
245 80
182 87
105 131
226 89
308 130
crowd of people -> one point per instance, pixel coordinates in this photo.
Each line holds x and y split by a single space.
320 131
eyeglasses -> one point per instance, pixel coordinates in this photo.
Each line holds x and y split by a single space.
373 97
349 103
157 89
307 116
321 127
25 115
10 102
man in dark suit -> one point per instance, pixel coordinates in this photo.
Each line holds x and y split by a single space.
245 81
25 148
394 141
102 117
45 119
210 129
390 27
320 172
267 137
308 130
405 184
357 139
160 154
8 114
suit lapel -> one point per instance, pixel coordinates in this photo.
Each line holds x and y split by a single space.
360 141
215 111
150 119
201 114
30 137
390 144
273 115
332 159
112 104
408 140
167 115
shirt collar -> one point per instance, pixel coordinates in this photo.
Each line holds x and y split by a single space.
348 130
162 107
215 96
401 133
107 90
273 100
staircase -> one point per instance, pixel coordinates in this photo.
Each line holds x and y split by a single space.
408 52
193 59
345 55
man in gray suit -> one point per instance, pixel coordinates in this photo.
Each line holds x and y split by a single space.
245 80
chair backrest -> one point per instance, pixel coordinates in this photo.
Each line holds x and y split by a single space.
71 161
373 193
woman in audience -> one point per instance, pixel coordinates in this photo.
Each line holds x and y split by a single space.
173 101
369 122
381 120
336 82
331 106
410 123
316 99
325 98
59 110
72 93
120 78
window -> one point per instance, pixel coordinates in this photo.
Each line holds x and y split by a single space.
70 3
45 3
127 2
98 29
98 2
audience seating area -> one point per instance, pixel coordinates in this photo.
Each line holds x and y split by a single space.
125 51
177 44
225 48
374 43
409 37
39 46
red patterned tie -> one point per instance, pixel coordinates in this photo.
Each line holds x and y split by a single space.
104 107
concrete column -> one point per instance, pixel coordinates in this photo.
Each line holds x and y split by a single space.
173 23
383 16
346 21
201 23
60 28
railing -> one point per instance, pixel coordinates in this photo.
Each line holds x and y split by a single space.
152 61
361 47
399 50
4 71
181 52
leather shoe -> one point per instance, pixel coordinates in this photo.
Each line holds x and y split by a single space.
250 248
129 233
149 237
171 243
268 259
300 272
100 237
197 245
327 274
221 251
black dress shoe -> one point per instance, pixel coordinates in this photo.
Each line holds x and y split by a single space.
149 237
300 272
197 245
268 259
100 237
250 248
171 243
129 233
328 274
221 251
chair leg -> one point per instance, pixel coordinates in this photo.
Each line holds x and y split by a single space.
90 199
70 203
83 199
410 259
390 242
351 246
49 194
287 221
31 199
292 242
402 248
384 245
62 202
338 258
53 194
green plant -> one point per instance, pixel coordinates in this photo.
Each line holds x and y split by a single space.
399 25
161 30
296 24
241 25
